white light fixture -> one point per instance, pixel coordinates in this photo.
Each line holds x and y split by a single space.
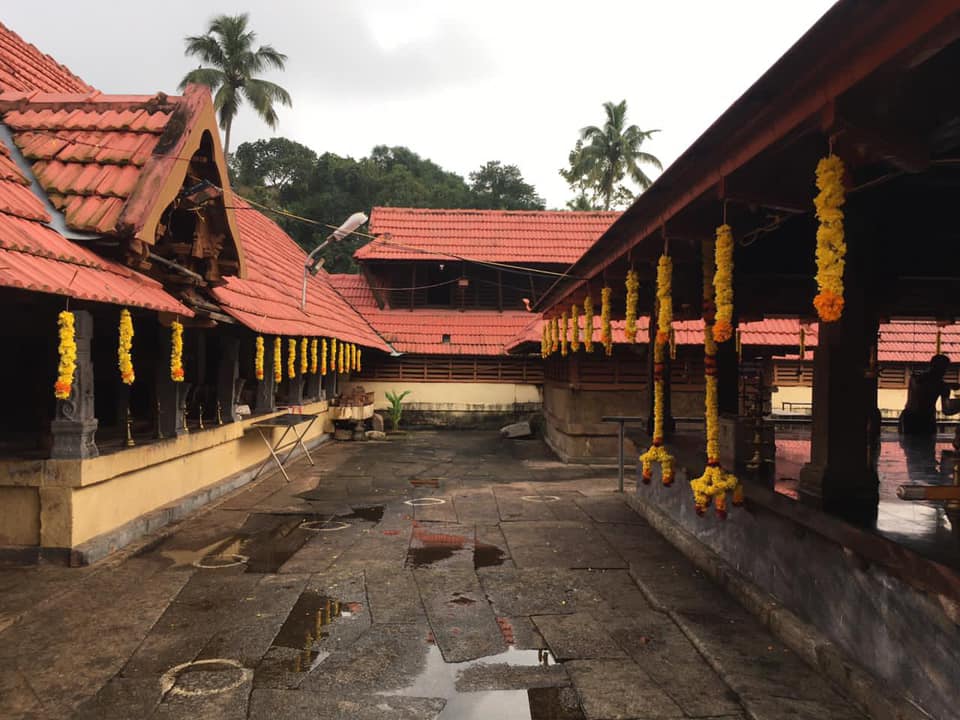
314 263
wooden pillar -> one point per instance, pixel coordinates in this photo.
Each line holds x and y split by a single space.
841 477
294 395
265 400
228 371
74 426
170 395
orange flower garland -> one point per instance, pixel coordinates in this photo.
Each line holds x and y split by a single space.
723 284
657 452
277 360
545 340
304 358
125 345
359 360
831 248
291 358
341 361
176 351
314 360
565 330
554 334
575 322
588 323
323 357
258 358
633 299
66 323
606 331
333 354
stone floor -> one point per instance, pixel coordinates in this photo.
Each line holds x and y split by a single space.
436 575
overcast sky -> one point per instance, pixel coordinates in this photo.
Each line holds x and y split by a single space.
458 82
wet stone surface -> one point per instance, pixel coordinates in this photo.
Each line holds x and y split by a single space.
450 576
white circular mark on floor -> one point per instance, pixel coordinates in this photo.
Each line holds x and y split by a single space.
416 502
540 498
168 681
216 562
324 525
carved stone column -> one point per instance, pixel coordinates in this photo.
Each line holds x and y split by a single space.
171 395
227 373
265 400
294 394
74 425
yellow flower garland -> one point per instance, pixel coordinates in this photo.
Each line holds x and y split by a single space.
554 334
633 298
314 360
359 360
831 248
715 482
588 323
258 358
341 364
176 351
606 331
304 357
124 347
277 360
323 356
575 322
657 452
66 322
545 340
565 330
291 358
353 357
723 284
333 354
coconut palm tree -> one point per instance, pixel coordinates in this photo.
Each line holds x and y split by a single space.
228 48
606 155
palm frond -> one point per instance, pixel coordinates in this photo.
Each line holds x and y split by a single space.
211 77
206 48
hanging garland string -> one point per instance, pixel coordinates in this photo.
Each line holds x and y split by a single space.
633 299
606 331
588 323
291 358
277 360
545 340
323 357
554 334
333 354
176 351
314 360
723 283
353 357
124 360
575 323
565 329
715 482
341 365
831 248
304 358
658 452
66 324
359 360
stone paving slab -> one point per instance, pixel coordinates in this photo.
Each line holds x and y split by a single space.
393 596
577 636
536 591
297 704
559 544
618 690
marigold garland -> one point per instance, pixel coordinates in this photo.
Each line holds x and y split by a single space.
715 482
258 358
353 357
545 340
304 357
565 330
831 248
606 331
176 351
314 359
341 364
323 357
588 323
359 360
277 360
633 299
575 332
555 334
657 452
291 358
333 354
124 347
66 322
723 284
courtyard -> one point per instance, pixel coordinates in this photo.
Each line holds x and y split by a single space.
433 575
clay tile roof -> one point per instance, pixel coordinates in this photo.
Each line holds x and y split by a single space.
916 341
24 68
268 300
508 236
87 150
355 290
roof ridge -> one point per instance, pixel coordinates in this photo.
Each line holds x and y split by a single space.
485 211
31 47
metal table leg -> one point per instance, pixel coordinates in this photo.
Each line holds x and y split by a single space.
273 454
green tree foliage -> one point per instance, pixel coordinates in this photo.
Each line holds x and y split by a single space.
329 188
496 186
228 49
606 156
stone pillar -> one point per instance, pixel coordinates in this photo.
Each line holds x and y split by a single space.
228 371
294 394
170 395
74 425
841 477
311 386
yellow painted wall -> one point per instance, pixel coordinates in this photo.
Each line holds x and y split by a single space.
889 401
453 396
19 516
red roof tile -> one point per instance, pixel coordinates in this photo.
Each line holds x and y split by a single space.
268 300
355 290
508 236
24 68
87 150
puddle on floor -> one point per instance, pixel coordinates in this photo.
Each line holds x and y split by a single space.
430 548
306 626
438 679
